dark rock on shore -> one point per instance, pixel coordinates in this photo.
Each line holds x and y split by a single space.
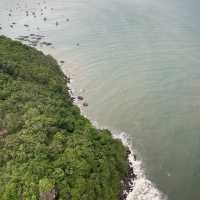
67 79
46 43
85 104
80 98
127 182
73 99
33 40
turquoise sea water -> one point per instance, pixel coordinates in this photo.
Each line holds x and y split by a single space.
138 67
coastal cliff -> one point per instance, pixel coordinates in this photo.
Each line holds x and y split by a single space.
48 150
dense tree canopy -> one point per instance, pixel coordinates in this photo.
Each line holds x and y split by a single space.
45 143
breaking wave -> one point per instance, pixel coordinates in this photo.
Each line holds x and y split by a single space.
143 189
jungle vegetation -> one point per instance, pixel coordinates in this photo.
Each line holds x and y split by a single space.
45 143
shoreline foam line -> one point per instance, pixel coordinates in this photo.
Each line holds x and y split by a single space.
142 188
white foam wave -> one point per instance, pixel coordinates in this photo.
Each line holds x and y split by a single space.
143 189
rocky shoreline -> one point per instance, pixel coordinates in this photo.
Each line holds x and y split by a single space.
127 182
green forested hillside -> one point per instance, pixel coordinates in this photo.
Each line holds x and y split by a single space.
46 146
